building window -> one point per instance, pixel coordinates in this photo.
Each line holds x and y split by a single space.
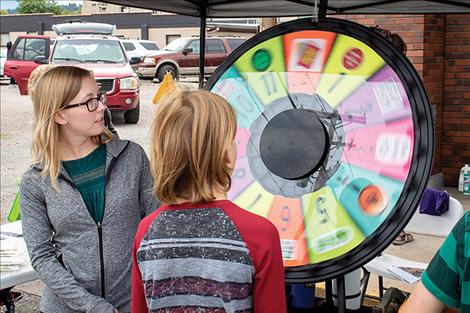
170 38
102 7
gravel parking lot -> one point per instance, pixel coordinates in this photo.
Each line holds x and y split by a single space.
15 135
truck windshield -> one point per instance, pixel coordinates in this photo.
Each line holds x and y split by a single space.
88 50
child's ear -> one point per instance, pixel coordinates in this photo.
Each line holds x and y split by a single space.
60 119
227 156
231 155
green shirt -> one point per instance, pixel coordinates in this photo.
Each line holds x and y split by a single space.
448 275
88 174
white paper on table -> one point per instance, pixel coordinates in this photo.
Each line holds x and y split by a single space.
404 275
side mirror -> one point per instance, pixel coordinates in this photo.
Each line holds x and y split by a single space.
40 59
135 60
187 50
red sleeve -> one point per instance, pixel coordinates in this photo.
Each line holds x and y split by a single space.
263 241
138 302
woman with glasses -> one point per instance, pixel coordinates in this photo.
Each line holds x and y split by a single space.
41 69
83 198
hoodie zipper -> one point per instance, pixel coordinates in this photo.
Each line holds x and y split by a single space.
100 231
100 240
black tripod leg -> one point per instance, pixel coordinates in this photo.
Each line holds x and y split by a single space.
341 294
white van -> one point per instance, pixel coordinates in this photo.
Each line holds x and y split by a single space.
139 48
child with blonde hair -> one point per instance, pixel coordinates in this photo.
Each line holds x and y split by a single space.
199 252
34 77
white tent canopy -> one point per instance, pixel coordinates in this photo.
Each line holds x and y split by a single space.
266 8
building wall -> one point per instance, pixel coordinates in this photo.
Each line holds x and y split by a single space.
14 35
433 78
130 33
34 22
456 121
230 33
93 7
159 34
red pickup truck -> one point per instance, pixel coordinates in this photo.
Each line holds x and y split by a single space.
88 45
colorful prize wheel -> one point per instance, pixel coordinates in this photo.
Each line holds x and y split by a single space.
335 141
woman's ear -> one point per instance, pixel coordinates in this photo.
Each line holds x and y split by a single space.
60 119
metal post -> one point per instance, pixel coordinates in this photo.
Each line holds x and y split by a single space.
329 293
341 300
319 12
202 44
323 8
381 287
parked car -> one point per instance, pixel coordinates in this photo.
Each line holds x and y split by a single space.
20 61
89 45
139 48
181 57
3 58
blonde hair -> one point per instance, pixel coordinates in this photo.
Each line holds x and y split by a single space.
35 75
190 134
54 89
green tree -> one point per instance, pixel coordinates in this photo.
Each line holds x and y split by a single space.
3 12
38 6
71 9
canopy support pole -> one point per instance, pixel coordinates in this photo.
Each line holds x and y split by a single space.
315 12
202 44
319 12
323 8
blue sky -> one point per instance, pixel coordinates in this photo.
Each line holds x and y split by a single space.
8 4
11 4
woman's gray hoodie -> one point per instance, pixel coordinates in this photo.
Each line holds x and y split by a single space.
86 266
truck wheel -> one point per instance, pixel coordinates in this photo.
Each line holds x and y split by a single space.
132 116
165 68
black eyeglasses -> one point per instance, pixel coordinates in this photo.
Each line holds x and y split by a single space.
91 104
